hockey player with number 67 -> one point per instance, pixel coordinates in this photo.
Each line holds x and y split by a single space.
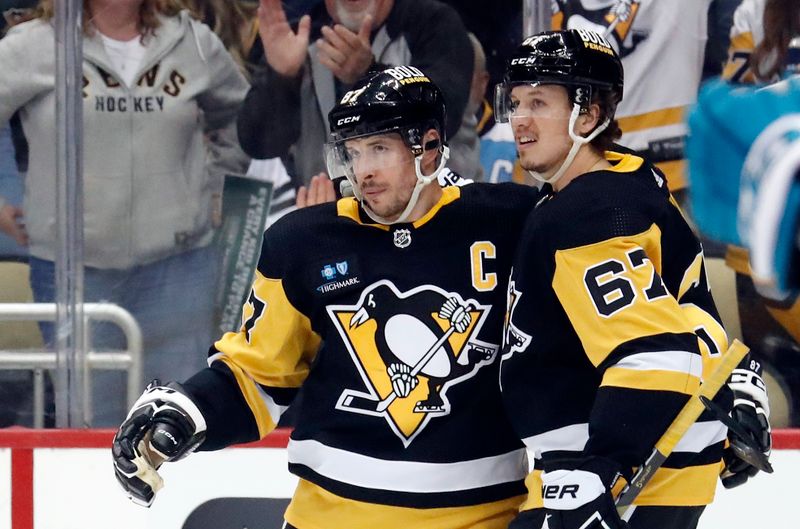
611 325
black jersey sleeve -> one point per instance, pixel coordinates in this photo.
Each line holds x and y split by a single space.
256 371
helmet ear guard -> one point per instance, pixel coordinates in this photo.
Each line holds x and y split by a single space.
431 144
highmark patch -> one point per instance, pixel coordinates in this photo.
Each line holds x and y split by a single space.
338 274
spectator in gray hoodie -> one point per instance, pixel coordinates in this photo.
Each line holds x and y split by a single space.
160 97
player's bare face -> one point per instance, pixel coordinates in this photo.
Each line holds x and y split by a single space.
384 171
540 122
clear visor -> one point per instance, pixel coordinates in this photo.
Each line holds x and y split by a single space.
359 156
531 100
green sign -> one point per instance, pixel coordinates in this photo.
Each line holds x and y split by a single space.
245 206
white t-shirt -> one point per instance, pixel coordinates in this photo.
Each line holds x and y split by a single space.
125 55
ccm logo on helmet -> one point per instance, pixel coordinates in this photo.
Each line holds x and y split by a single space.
523 60
348 119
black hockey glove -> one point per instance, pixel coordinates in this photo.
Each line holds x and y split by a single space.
163 425
751 441
580 498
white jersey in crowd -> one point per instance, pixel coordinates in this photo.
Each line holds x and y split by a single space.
662 45
747 32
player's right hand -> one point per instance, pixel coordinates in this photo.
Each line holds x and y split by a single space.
163 425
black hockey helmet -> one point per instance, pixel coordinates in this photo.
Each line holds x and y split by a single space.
399 99
581 60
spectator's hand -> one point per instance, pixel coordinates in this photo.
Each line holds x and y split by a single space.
319 190
18 15
285 50
348 55
11 224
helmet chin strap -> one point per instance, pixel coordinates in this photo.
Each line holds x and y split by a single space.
422 181
577 143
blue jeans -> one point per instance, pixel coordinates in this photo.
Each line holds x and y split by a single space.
173 302
10 189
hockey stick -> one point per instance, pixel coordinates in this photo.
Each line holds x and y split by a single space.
680 425
611 27
379 406
617 19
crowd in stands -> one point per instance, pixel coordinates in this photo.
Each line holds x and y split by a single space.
179 94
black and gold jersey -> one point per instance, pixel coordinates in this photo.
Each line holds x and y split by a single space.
393 333
610 327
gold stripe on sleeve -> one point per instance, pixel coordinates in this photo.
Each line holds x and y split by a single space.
274 346
651 380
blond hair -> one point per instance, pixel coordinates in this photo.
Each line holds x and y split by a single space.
148 14
232 20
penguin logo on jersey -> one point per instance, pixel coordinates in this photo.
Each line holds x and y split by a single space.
410 348
612 19
514 340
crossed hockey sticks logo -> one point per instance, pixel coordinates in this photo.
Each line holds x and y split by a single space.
361 402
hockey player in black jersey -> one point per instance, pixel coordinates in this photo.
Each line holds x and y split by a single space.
387 308
611 324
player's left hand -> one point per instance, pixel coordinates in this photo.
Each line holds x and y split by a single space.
579 499
348 55
751 412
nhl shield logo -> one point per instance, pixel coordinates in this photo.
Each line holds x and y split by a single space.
410 348
402 238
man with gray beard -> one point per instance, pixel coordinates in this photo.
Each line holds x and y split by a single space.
310 64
